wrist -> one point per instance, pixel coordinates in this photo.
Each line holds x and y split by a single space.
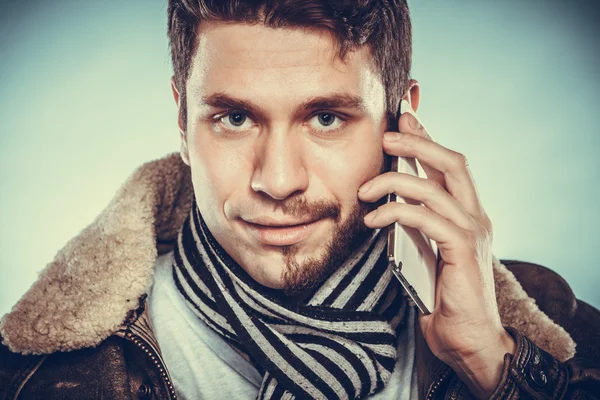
481 372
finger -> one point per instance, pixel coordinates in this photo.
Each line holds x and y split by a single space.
409 124
433 225
426 191
453 165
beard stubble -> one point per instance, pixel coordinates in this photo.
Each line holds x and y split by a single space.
301 279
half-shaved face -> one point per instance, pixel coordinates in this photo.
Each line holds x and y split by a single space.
282 132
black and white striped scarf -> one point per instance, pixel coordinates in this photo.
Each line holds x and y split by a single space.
338 344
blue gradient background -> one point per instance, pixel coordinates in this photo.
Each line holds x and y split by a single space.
514 85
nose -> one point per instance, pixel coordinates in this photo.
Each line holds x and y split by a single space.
279 167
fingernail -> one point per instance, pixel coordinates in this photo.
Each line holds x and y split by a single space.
391 136
414 123
371 216
365 187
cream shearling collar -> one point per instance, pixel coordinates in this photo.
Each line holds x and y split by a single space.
85 293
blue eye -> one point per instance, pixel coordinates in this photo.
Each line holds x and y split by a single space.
326 122
326 119
236 121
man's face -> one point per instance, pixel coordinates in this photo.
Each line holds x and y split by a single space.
280 131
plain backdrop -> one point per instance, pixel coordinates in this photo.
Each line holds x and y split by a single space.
514 85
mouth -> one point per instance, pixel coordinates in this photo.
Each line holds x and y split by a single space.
275 234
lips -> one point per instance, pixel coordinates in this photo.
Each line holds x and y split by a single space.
276 234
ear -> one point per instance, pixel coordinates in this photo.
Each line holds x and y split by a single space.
184 147
413 94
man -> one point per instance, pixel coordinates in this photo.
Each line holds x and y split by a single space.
252 263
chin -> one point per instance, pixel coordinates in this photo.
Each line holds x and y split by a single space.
266 269
288 268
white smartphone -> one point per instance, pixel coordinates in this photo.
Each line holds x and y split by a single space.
412 256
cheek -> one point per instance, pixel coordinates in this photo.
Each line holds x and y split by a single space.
343 171
218 172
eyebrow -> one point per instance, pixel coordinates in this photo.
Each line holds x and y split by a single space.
335 100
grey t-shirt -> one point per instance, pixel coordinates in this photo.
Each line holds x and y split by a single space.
203 366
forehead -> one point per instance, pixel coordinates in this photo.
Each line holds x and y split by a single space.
255 58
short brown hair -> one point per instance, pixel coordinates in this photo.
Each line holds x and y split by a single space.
383 25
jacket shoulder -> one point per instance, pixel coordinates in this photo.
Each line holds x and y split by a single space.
556 299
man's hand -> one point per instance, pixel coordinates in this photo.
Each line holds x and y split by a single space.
464 330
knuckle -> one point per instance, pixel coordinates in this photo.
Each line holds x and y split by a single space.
425 212
433 187
425 215
460 161
422 216
433 190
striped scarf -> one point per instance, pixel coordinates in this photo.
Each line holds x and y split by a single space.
338 344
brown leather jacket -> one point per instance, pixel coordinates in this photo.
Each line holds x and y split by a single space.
82 331
128 364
